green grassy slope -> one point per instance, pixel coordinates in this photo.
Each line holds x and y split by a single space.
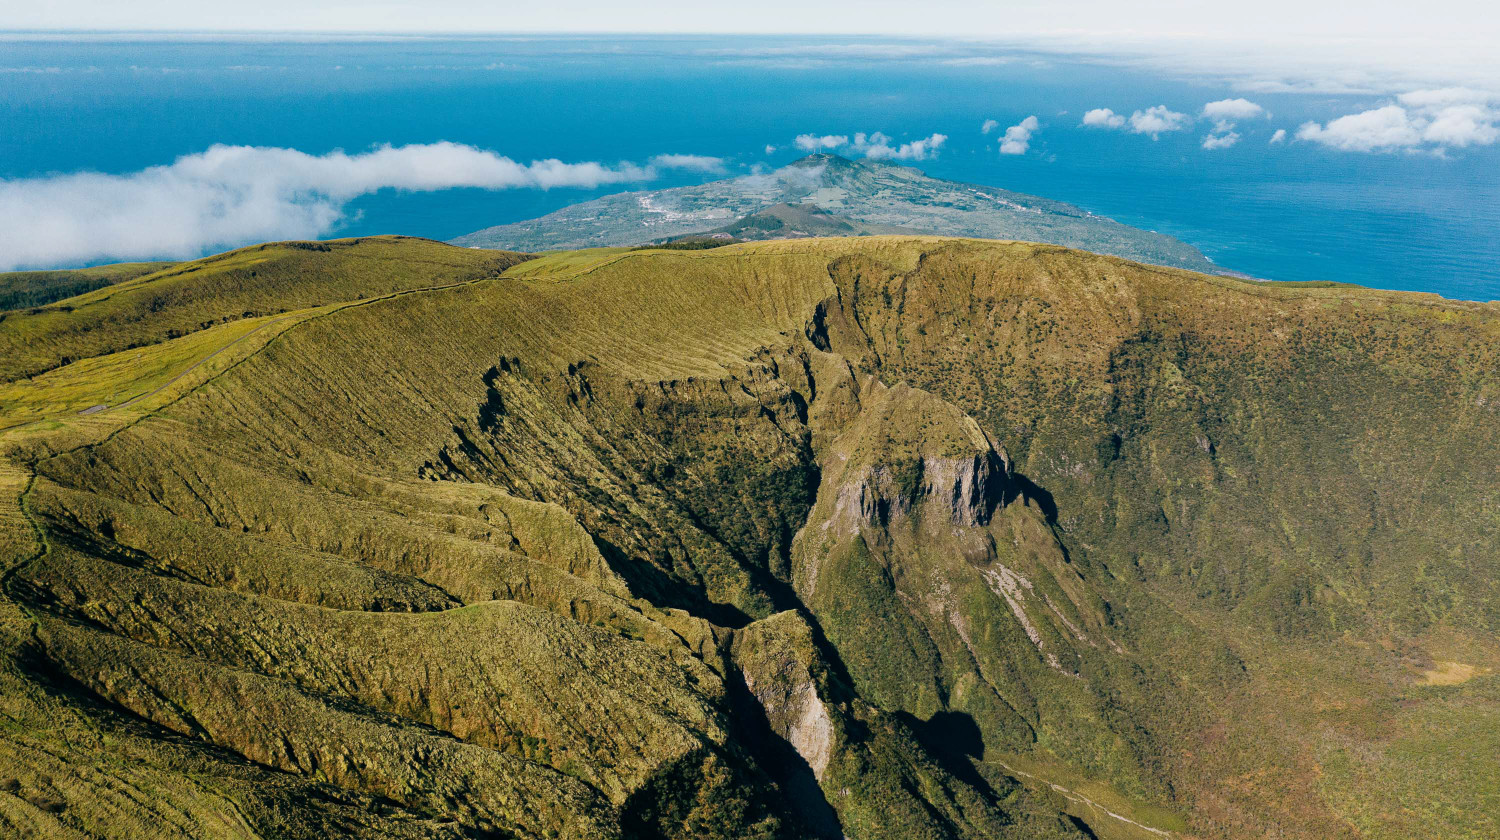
26 289
879 537
265 279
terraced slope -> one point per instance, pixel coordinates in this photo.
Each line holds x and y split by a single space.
879 538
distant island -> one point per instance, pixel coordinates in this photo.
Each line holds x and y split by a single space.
829 195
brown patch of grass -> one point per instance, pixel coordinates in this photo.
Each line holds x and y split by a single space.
1449 672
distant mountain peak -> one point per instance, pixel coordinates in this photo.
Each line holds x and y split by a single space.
834 165
823 159
818 158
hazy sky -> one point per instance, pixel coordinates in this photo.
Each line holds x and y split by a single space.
1468 20
1415 80
1376 44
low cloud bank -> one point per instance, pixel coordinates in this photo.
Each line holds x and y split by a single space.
1421 120
233 195
692 163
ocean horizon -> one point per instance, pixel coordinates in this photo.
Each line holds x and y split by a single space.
119 103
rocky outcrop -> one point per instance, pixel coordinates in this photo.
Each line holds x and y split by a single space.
962 491
911 453
776 659
966 489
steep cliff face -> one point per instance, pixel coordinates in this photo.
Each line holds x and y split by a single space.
907 453
877 538
850 769
942 586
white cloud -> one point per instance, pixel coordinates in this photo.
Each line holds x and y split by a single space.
1427 120
977 61
232 195
1442 97
1377 129
1233 109
816 143
1246 46
1278 137
1226 113
770 149
1338 64
1462 125
1103 118
1017 138
1153 121
1157 120
877 146
988 126
1221 141
922 149
694 163
793 176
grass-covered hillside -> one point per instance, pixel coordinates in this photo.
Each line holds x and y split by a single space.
265 280
881 537
26 289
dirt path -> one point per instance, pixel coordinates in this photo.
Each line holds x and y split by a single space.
96 409
1087 802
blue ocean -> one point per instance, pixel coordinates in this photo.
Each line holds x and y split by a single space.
1284 211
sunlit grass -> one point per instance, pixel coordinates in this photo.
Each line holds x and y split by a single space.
1111 814
561 265
115 379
